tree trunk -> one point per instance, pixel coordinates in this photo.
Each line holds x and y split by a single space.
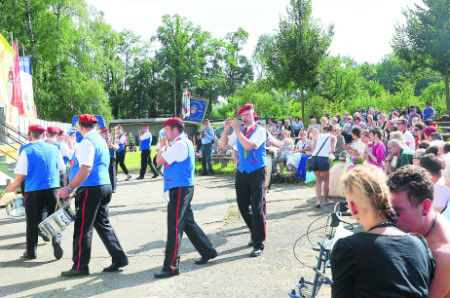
35 61
447 91
302 95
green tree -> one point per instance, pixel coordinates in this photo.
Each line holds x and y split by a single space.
424 40
339 79
293 56
183 51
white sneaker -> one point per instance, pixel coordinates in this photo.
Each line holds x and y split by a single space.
329 202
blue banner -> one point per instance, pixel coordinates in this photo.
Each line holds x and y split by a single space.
25 64
198 111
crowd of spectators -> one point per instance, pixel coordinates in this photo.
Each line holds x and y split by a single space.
397 180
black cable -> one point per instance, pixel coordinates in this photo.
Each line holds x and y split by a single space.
298 239
309 240
308 231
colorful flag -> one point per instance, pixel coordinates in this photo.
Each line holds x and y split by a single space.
186 104
29 108
6 60
17 88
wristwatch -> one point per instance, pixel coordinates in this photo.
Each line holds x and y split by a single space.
70 189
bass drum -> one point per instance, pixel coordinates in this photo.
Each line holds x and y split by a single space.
269 167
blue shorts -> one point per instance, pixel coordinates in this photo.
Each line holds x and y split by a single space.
322 164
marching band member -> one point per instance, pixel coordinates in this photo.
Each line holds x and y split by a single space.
121 151
112 170
39 164
90 174
64 149
145 145
250 177
179 166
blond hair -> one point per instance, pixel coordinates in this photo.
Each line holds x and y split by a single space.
371 181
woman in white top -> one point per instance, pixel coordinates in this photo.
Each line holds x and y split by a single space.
294 159
357 148
325 144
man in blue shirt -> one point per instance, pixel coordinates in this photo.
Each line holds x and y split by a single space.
250 176
40 165
145 145
89 175
179 165
207 137
428 112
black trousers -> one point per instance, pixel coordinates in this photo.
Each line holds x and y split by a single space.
34 203
180 218
91 204
113 173
146 160
121 161
250 191
62 179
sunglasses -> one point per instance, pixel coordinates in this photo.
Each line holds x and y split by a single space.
416 129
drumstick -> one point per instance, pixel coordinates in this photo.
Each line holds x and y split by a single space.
57 204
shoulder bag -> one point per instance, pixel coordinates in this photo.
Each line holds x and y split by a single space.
311 162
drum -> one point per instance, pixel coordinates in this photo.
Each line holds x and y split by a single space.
58 221
15 207
269 167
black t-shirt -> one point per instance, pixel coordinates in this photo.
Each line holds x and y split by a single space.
373 265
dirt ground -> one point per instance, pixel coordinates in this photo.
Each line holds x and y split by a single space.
138 213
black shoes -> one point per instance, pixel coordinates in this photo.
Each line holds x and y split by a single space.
57 251
251 243
166 274
203 260
155 176
26 257
74 273
140 178
115 266
203 174
256 252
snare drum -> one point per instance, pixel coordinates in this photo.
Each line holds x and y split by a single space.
269 167
15 207
58 221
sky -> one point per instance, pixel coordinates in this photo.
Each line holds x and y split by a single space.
363 28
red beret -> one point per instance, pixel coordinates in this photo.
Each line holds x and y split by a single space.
52 129
173 120
61 130
247 106
105 129
36 127
429 130
87 118
255 116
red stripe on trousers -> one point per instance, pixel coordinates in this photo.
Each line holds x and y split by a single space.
264 206
176 231
81 234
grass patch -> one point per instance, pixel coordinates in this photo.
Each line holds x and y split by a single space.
133 163
217 168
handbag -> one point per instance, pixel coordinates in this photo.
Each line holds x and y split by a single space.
311 162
